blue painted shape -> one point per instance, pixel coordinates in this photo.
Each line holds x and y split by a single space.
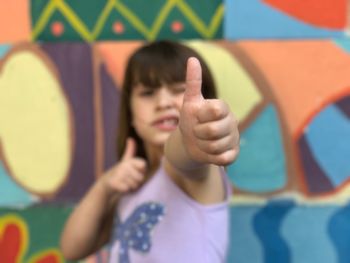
339 232
317 182
11 193
343 43
4 49
304 229
255 20
267 224
244 244
328 138
261 165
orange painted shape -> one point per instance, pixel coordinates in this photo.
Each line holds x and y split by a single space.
14 21
326 13
177 26
115 55
303 75
10 243
57 28
118 27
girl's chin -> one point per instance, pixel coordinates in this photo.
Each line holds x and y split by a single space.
160 142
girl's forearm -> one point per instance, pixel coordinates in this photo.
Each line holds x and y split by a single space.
176 154
82 233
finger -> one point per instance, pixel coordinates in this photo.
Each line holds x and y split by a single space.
216 146
136 176
139 164
132 184
193 81
224 158
118 184
122 187
130 149
134 179
131 180
212 110
214 130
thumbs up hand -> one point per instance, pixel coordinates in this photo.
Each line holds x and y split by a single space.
208 128
128 174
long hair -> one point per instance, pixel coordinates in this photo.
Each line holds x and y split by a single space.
157 63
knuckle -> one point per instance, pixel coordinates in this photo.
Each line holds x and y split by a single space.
121 186
226 158
212 130
213 147
219 108
216 110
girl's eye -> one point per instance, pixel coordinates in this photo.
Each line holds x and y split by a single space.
146 92
180 88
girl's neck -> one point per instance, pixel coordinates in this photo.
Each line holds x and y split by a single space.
154 155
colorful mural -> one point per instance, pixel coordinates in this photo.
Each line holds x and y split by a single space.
113 19
282 66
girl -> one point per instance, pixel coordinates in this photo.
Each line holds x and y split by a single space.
166 200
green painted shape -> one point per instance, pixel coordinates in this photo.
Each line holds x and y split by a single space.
89 13
189 31
44 224
69 32
130 32
147 12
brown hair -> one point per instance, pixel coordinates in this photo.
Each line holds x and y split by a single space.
154 64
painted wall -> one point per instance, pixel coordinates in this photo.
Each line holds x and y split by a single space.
282 66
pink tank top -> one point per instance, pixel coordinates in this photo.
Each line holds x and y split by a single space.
160 223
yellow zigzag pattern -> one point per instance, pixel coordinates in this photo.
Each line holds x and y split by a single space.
148 33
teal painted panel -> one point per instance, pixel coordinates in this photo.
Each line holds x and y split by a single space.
261 164
11 193
4 49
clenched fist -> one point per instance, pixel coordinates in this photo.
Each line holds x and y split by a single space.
208 127
128 174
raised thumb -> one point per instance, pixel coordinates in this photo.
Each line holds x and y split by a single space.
130 149
193 90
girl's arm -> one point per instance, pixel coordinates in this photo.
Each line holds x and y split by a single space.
207 137
89 226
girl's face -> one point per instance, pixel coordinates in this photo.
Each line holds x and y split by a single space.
155 112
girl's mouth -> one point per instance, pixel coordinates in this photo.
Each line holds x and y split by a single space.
166 124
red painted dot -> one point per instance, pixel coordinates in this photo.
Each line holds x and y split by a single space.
57 28
177 26
118 27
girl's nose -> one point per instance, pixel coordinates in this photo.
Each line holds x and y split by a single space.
165 98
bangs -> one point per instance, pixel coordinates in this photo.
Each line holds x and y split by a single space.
153 69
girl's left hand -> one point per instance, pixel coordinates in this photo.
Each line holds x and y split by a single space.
208 127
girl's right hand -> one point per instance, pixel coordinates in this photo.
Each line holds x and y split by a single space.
128 174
